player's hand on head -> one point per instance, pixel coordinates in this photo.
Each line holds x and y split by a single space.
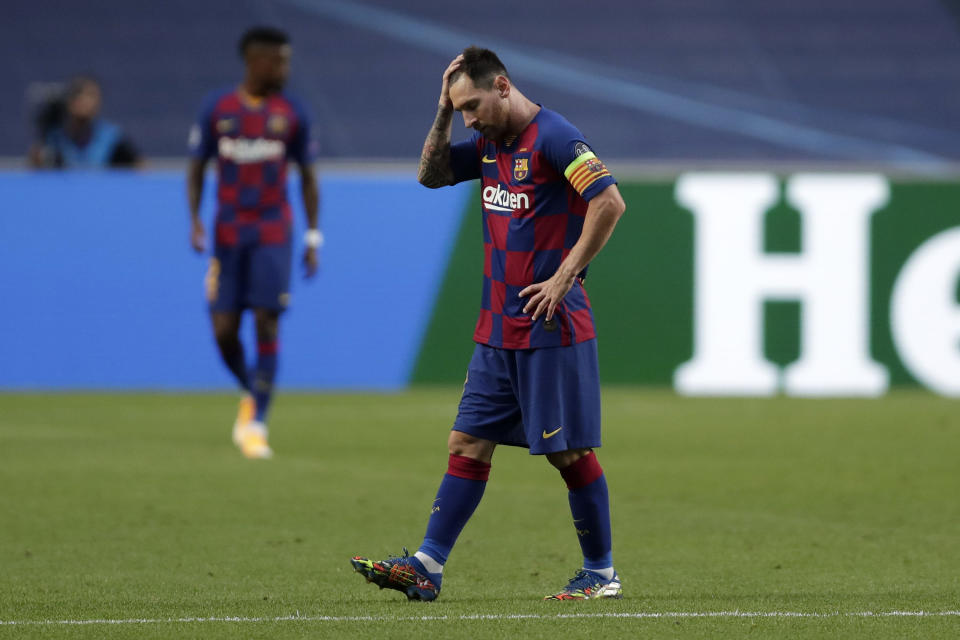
445 88
198 237
311 262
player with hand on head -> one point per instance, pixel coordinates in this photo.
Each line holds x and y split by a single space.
253 130
549 205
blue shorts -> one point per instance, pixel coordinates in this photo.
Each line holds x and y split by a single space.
547 400
250 276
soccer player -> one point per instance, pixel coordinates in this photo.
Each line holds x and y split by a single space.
253 130
549 205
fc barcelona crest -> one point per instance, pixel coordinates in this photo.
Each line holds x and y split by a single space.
521 169
277 124
226 125
595 165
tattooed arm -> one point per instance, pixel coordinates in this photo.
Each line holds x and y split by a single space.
435 170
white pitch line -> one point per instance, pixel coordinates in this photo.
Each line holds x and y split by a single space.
495 616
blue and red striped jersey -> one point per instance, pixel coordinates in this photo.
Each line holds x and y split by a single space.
535 189
253 139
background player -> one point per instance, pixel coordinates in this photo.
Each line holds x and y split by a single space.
253 129
549 206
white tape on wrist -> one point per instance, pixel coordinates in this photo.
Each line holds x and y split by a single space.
313 238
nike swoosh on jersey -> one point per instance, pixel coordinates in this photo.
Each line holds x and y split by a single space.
488 160
552 433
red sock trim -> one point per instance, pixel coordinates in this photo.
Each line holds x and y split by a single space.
468 468
584 471
267 348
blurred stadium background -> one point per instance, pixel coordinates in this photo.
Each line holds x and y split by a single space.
654 81
660 88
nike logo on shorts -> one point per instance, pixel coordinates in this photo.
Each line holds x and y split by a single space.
552 433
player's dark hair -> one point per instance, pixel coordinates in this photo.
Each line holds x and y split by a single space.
261 35
481 66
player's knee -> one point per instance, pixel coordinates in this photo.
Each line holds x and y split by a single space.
463 444
225 336
458 443
226 327
267 326
563 459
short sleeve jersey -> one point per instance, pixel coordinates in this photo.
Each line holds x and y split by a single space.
534 194
252 143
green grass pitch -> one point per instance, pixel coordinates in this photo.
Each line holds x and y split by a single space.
130 507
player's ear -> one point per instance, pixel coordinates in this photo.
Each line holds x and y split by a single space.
502 85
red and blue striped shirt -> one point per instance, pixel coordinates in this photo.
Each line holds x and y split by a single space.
253 139
534 192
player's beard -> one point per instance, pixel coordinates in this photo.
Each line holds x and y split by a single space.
273 85
490 132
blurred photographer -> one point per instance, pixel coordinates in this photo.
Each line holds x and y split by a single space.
72 135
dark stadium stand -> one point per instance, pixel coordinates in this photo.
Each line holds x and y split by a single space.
867 81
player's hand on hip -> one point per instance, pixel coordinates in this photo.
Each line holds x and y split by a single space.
445 101
311 262
198 237
546 295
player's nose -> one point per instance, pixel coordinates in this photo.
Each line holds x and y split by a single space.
469 121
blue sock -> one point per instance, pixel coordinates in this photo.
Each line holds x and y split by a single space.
459 494
263 375
590 506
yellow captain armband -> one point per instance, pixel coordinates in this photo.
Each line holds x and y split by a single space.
586 169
